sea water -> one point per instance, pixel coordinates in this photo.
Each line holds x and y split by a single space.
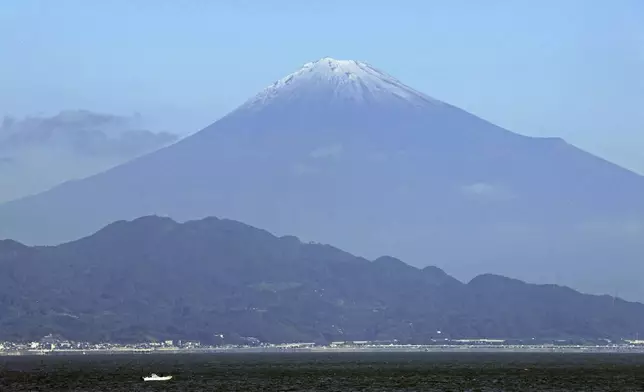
327 372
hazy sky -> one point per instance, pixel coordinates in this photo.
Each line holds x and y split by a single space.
570 68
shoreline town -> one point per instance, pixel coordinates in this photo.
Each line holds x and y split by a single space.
52 346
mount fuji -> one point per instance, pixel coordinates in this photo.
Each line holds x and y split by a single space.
341 152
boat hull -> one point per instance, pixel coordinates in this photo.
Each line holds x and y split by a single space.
166 378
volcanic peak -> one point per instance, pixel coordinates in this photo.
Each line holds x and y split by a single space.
350 80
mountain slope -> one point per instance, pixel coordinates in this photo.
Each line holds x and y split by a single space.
155 278
342 153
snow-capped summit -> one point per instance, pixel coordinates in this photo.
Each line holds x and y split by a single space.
346 80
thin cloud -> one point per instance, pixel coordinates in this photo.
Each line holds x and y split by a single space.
487 191
302 169
332 151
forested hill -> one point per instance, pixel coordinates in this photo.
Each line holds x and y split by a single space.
154 278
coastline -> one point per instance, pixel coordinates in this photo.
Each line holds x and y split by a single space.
617 349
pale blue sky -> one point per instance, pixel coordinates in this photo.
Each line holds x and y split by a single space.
569 68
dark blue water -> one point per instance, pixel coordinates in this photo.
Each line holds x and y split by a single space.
327 372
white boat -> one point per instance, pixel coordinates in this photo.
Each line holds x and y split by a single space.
155 377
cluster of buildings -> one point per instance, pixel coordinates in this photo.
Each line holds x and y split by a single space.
49 345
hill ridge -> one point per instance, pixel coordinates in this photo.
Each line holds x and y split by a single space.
156 278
